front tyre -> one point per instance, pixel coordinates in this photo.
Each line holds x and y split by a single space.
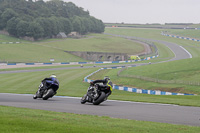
49 94
83 99
100 98
34 97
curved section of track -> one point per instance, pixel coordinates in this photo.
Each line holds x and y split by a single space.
164 113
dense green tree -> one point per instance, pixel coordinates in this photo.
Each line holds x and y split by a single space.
66 25
46 25
54 25
51 17
1 21
35 30
7 15
76 23
12 26
22 28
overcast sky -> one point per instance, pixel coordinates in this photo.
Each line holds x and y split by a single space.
142 11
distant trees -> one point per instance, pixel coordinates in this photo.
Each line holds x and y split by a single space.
22 28
45 19
11 26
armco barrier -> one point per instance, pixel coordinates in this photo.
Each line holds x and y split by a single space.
135 90
75 63
180 37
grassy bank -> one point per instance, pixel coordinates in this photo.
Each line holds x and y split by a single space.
192 46
43 51
71 84
28 120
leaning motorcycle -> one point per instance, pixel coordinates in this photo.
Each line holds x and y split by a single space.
46 93
96 94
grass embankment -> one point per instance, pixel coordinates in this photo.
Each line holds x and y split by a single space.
184 73
43 51
132 82
28 120
186 33
71 81
71 84
192 46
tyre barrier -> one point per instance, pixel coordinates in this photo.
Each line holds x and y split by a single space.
76 63
135 90
9 42
180 37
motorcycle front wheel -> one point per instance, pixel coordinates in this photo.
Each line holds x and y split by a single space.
83 99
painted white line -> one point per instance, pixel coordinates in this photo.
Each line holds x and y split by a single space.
186 51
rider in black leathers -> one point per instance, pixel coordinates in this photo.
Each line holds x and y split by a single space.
105 83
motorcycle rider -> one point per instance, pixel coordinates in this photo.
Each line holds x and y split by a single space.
46 84
105 83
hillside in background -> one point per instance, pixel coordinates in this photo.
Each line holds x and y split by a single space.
41 19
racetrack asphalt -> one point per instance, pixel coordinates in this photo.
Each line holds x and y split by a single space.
164 113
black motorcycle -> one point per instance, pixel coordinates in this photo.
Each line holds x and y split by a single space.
46 92
96 94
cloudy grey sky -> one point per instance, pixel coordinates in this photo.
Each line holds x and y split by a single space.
142 11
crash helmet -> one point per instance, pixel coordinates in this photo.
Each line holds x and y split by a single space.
53 76
106 78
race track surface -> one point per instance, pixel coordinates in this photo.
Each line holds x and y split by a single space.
164 113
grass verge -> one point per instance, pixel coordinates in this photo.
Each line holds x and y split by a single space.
71 84
29 120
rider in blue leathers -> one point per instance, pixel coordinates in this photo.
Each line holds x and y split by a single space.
46 83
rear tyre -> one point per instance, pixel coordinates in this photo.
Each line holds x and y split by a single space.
100 98
49 94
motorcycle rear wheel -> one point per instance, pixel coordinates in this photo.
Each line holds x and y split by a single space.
100 98
49 94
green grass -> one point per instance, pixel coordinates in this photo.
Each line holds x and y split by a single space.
71 84
28 120
97 43
187 69
28 52
132 82
186 33
71 81
178 71
43 51
4 38
192 46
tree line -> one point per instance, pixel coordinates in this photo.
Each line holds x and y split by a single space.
39 19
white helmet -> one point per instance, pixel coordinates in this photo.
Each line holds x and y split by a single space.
106 78
53 76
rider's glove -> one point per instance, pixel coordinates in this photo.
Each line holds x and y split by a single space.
91 83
